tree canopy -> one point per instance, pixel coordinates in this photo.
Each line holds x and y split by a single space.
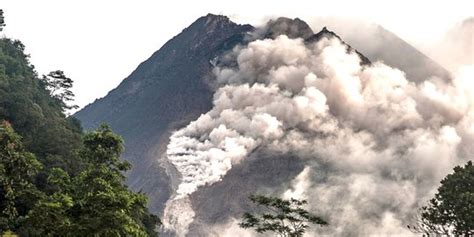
96 202
17 170
36 116
59 87
2 20
286 218
451 211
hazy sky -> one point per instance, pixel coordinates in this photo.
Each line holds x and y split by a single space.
99 43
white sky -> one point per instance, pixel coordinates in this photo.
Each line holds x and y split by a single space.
100 42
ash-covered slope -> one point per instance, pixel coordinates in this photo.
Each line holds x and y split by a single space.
174 87
165 92
396 52
378 43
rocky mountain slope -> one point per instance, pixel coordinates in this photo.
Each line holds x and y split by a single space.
165 92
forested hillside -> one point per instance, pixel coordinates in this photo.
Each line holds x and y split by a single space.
33 113
54 179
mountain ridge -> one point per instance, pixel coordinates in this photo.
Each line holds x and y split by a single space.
156 86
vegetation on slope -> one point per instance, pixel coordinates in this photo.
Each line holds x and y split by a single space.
55 180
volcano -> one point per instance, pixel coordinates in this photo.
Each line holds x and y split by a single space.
176 85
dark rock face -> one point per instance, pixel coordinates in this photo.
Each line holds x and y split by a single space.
293 28
165 92
172 88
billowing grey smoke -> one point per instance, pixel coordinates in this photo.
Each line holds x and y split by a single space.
375 145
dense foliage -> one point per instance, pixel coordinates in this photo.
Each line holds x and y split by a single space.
2 21
17 169
34 114
286 218
451 211
55 180
95 202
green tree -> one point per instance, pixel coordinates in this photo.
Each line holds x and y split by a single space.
51 214
286 218
2 20
59 87
17 170
451 211
96 202
105 205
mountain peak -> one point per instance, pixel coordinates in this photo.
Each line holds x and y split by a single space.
211 22
212 18
293 28
325 33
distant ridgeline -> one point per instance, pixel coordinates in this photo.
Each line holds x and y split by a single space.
45 157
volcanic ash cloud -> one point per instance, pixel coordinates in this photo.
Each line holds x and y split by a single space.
375 144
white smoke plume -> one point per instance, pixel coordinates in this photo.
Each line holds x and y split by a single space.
375 144
179 214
